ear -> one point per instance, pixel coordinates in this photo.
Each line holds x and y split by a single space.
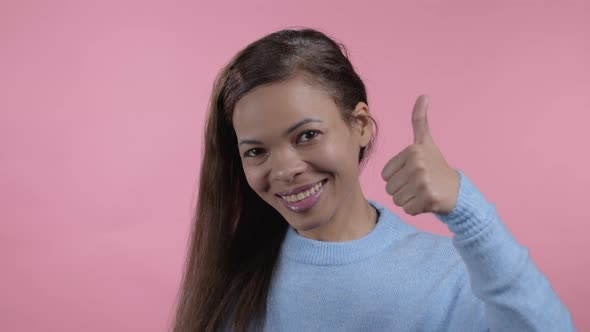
361 123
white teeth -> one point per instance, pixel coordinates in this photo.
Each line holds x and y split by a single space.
303 195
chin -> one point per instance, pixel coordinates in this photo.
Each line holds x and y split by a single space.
305 227
306 223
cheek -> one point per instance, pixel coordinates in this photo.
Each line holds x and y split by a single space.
255 178
338 154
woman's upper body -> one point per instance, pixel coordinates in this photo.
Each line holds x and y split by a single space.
397 278
338 271
284 239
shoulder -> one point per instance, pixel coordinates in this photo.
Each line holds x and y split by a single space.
433 261
420 248
430 247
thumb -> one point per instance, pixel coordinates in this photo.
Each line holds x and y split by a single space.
420 119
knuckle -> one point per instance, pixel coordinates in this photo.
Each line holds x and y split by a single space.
419 173
420 165
395 201
421 185
389 188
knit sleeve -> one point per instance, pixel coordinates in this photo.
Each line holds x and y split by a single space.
516 296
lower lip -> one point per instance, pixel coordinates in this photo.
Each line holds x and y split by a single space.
306 203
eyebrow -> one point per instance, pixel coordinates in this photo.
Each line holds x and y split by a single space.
287 132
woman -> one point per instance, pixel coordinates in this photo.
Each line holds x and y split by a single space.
284 239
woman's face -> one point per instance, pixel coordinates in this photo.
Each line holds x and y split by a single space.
297 152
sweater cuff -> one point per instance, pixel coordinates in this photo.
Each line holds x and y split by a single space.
470 214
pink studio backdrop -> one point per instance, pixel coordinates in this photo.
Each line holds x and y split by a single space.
102 106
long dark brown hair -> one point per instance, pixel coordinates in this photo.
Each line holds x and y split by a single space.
236 236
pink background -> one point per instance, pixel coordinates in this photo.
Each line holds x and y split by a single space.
101 113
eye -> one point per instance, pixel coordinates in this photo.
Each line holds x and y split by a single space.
308 135
252 153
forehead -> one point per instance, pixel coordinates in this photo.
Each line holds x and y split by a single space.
278 105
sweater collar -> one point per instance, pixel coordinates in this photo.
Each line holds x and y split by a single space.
388 229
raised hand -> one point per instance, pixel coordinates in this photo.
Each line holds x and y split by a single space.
419 178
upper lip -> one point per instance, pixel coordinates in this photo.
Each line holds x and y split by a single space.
298 190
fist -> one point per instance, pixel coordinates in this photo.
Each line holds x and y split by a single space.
418 178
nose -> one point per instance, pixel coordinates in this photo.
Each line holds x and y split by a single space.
286 165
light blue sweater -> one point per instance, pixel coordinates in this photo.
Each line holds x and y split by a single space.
397 278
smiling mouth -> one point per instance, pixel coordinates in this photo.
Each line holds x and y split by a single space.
304 200
304 193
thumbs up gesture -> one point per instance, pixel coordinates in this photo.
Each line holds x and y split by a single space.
419 179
